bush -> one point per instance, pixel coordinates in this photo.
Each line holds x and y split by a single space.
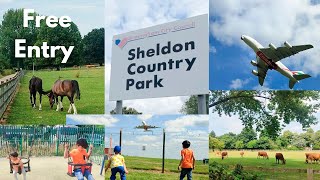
222 172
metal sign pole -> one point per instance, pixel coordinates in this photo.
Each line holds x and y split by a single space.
163 149
119 107
202 108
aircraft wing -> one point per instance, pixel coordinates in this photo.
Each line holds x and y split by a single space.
283 52
262 71
153 127
139 127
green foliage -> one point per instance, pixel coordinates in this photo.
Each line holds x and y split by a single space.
221 172
191 105
215 143
127 110
212 134
252 144
239 145
266 109
93 46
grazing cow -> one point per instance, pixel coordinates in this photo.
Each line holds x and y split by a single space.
263 154
315 157
241 153
218 153
279 156
223 154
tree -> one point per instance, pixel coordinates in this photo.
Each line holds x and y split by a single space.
93 46
309 136
191 105
212 134
215 143
239 145
126 110
266 109
247 134
229 140
298 141
264 143
252 144
12 28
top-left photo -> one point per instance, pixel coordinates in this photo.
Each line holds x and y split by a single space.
51 60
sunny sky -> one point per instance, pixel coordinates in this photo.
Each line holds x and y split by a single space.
295 21
178 128
126 15
86 14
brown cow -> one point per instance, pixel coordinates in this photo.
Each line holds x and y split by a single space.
223 154
263 154
218 153
279 156
312 157
241 153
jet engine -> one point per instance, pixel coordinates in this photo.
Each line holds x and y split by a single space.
273 47
287 45
254 63
254 72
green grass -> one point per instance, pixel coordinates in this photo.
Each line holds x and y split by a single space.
295 167
91 82
150 168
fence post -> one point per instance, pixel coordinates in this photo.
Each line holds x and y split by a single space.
310 174
57 144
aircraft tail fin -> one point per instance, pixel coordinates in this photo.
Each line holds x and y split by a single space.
299 75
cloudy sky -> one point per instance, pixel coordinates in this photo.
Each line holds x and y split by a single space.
225 124
127 15
178 128
273 21
86 14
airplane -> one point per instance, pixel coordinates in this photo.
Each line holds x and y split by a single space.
269 58
145 126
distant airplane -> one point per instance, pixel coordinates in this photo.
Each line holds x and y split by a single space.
269 58
145 126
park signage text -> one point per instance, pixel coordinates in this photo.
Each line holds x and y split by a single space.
22 51
165 60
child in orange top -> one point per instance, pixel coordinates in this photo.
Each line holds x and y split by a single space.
187 161
79 156
17 165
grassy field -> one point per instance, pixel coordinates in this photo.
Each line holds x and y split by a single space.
295 167
91 82
150 168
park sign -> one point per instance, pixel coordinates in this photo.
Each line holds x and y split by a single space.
170 59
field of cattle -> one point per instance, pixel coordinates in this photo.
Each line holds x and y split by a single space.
91 83
294 168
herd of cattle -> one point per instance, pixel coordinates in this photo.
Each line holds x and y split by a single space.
310 157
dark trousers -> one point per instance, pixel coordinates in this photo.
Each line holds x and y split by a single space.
184 172
114 172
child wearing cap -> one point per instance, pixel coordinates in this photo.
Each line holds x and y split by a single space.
117 164
80 156
187 161
17 166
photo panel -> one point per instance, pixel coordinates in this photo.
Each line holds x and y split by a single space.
51 60
152 145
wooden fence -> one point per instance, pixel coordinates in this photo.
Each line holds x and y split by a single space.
7 89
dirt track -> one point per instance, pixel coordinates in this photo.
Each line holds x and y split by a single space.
45 168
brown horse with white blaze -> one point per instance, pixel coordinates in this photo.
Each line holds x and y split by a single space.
69 88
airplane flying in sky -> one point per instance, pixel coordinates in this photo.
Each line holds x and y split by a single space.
269 58
145 126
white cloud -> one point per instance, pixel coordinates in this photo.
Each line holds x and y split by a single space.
182 123
107 120
238 83
213 50
147 138
5 1
224 124
296 21
145 117
126 15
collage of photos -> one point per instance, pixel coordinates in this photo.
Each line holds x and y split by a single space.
157 90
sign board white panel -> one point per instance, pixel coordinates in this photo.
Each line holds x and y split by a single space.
171 59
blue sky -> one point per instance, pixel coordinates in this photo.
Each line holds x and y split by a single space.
178 128
267 22
84 13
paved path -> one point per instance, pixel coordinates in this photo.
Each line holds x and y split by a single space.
7 77
46 168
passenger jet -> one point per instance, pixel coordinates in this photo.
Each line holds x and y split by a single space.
145 126
269 58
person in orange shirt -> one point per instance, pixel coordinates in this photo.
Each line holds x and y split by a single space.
187 161
80 156
17 165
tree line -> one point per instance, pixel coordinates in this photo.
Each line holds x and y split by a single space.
248 139
87 50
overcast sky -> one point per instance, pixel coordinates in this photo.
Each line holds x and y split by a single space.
273 21
86 14
178 128
127 15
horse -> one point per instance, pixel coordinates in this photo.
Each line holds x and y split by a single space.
69 88
35 85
